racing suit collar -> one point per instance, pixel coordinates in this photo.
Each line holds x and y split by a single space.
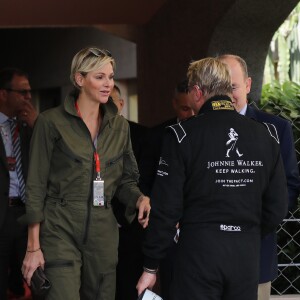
220 102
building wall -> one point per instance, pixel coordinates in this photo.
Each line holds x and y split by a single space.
246 30
183 31
46 54
180 33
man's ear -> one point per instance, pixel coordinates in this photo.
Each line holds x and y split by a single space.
199 94
197 98
79 79
248 84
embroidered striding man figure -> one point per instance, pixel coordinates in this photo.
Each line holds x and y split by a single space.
233 137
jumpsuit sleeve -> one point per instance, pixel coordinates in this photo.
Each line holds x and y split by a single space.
128 191
275 198
166 201
40 157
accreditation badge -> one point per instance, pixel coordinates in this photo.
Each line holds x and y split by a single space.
11 162
98 192
149 295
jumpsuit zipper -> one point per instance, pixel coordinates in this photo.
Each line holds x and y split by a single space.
90 200
89 203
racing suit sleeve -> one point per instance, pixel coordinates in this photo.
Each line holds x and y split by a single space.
166 201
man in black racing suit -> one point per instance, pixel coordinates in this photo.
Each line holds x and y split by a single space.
221 177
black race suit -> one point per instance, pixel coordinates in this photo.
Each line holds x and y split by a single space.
221 177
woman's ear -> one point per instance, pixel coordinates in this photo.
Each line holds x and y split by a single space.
79 79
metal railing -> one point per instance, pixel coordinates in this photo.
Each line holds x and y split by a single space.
288 233
288 245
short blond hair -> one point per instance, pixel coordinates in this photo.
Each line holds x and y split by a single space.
211 75
88 60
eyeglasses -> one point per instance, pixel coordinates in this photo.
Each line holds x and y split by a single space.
100 52
21 92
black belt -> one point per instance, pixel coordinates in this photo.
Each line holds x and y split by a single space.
15 201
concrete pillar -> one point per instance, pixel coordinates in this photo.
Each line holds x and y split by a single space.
183 31
246 30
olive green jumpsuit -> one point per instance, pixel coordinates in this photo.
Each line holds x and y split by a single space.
79 240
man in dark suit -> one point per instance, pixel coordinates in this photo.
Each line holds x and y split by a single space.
241 87
153 140
17 117
148 167
130 257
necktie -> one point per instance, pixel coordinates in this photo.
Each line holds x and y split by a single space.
17 154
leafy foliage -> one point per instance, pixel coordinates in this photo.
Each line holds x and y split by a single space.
285 97
282 62
284 100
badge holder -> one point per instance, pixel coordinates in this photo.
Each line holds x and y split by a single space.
98 195
98 185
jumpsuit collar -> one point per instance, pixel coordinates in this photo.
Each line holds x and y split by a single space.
109 109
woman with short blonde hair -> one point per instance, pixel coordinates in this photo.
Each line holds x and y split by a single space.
81 156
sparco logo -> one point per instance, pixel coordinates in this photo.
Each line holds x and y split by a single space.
230 228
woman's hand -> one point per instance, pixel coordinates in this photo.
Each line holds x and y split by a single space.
34 256
31 262
143 205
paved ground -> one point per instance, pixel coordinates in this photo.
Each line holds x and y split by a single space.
286 297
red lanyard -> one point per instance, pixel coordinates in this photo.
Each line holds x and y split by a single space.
96 155
77 109
97 161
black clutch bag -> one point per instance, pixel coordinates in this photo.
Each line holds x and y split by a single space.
40 284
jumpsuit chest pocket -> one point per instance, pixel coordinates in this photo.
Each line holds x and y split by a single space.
71 168
113 167
65 151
